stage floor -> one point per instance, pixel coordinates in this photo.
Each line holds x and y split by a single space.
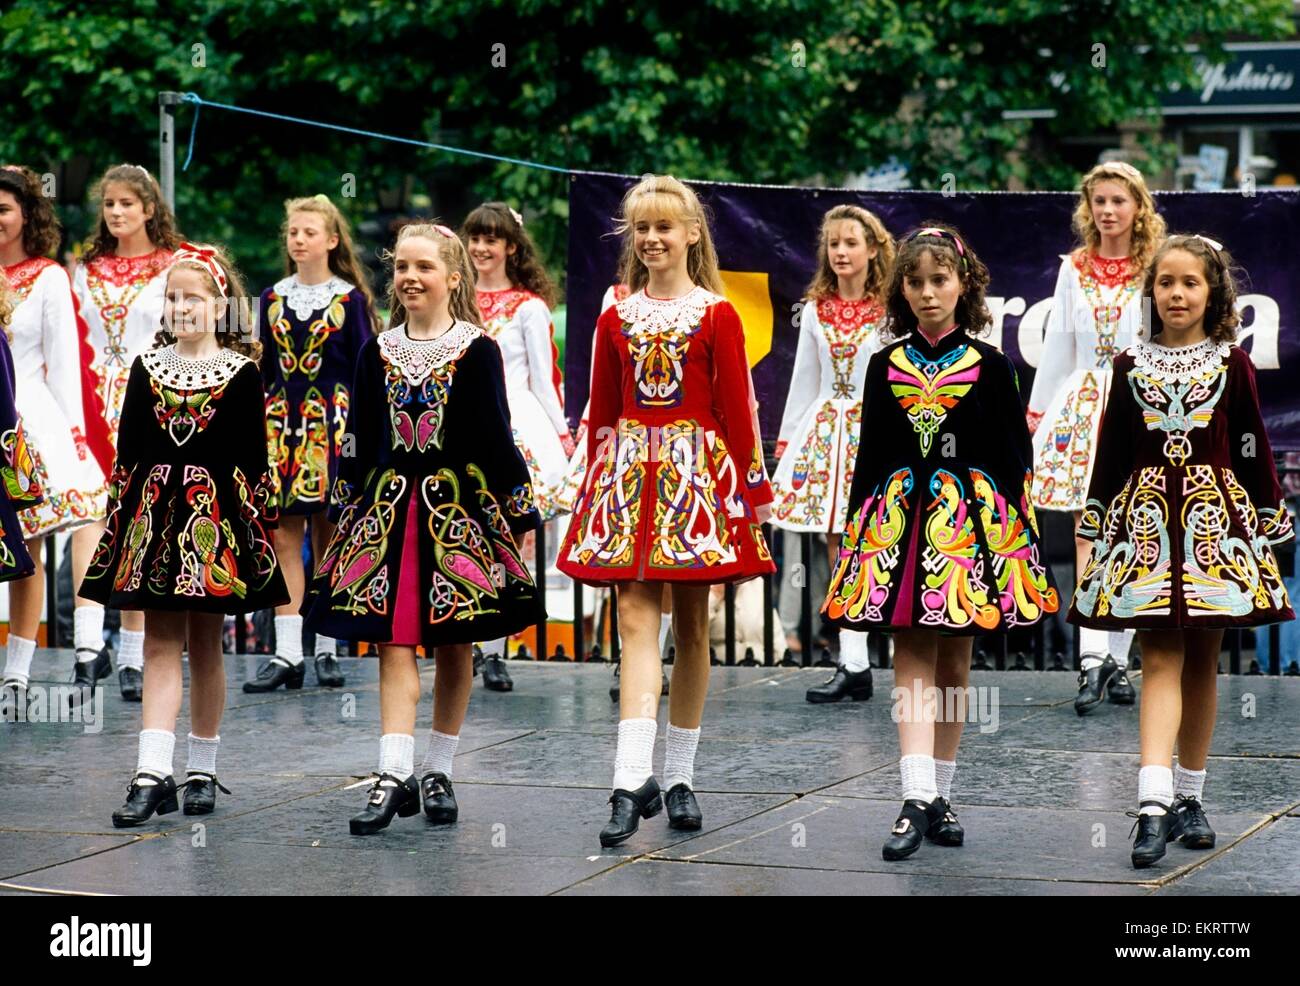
797 799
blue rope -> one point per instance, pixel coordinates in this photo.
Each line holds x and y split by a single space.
199 102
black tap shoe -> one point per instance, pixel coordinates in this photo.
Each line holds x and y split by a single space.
144 800
629 808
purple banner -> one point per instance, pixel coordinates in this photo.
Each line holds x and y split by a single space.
766 238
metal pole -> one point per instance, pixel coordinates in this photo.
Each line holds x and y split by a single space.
52 594
539 580
167 145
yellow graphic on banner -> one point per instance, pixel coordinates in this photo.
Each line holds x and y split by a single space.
748 293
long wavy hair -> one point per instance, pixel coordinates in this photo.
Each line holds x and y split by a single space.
826 283
160 227
1148 225
42 230
343 261
234 330
972 313
663 196
1221 277
524 267
463 304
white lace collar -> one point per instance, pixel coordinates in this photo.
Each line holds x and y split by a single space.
173 370
646 314
304 299
1181 365
417 358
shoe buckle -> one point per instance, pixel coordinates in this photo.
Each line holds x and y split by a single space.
901 826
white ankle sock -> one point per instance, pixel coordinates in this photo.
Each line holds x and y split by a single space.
203 755
853 650
288 640
130 652
918 777
497 647
665 624
88 631
679 757
156 749
944 772
1092 647
1118 643
1188 783
439 753
326 645
18 658
636 747
1155 783
397 754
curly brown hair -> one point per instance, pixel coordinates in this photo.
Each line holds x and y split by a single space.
826 282
949 249
1221 276
42 230
161 226
524 267
235 327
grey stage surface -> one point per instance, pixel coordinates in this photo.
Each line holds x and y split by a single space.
796 798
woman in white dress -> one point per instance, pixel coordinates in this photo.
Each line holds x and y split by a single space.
818 441
1096 313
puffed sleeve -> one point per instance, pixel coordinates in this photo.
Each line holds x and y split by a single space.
59 349
98 437
1121 423
1010 450
247 397
875 407
805 381
367 432
606 399
17 466
269 308
1252 456
735 406
543 361
1058 346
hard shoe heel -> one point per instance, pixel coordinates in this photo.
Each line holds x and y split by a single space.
168 806
654 807
860 694
411 807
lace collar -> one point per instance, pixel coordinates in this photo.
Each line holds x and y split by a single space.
171 369
303 299
646 314
417 358
1181 365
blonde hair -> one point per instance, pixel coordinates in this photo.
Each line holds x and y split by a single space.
463 303
8 302
1148 225
343 260
825 283
663 196
234 329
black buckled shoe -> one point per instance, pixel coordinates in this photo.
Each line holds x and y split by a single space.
1194 827
200 796
842 684
683 810
328 672
947 831
439 798
131 682
13 701
144 800
1153 832
495 676
87 674
629 808
277 672
914 821
389 795
1121 690
1092 685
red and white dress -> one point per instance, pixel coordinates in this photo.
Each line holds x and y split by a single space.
818 442
1096 313
520 324
54 398
675 490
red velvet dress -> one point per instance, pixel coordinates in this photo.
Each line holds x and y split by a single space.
675 489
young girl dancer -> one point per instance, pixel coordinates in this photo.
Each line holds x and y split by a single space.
941 540
52 397
1096 313
186 539
314 323
432 501
515 296
676 490
1183 512
119 285
838 331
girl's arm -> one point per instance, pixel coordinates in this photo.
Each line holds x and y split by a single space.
17 467
1121 423
805 382
606 399
272 376
1058 348
480 394
59 333
875 406
735 405
1252 456
248 397
367 431
543 369
1011 452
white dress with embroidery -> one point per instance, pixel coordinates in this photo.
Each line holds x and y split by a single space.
1096 313
823 414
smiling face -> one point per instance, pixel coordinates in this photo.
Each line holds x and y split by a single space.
663 243
932 290
1113 208
125 213
11 220
307 239
420 277
191 306
488 254
848 248
1181 292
